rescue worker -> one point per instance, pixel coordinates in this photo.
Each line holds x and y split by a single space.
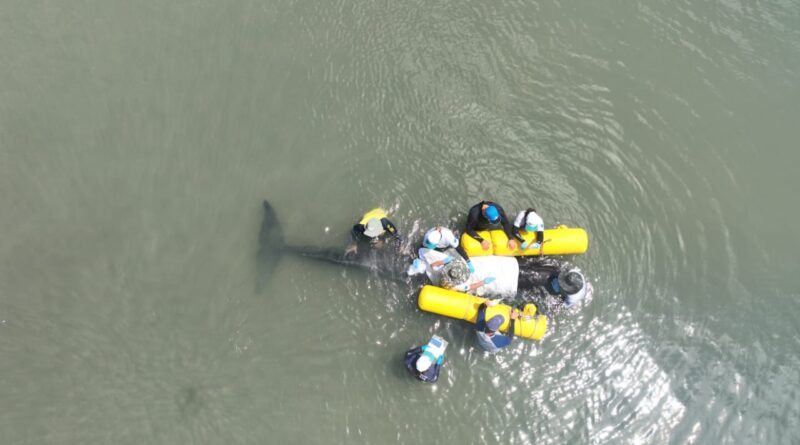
531 222
424 362
487 330
487 215
539 279
447 272
373 229
441 239
570 285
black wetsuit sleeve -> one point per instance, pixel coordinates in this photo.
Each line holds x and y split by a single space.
390 228
472 221
517 235
462 252
511 325
508 228
411 357
540 236
436 367
480 319
357 232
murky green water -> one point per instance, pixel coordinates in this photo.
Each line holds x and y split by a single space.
138 140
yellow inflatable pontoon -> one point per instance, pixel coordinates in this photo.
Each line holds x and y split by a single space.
465 307
562 240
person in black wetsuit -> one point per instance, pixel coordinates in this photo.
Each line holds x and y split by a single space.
488 215
373 230
540 277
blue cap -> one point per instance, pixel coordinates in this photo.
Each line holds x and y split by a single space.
494 323
492 214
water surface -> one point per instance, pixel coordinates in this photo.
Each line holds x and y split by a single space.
137 142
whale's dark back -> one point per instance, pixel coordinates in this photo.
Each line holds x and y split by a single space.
388 262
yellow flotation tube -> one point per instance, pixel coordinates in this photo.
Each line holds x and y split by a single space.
562 240
465 307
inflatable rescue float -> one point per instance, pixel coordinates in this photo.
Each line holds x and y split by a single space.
465 307
562 240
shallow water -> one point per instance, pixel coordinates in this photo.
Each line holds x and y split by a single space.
137 142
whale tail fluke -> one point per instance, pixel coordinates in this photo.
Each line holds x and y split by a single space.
271 245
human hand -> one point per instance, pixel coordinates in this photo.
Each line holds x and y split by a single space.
485 245
351 250
524 245
488 280
534 246
471 267
514 314
511 244
417 267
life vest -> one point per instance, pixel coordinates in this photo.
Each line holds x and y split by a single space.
377 213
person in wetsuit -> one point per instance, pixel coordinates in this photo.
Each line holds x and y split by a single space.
487 215
539 278
373 230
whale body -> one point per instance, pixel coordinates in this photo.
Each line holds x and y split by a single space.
389 261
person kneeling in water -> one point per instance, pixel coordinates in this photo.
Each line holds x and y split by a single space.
558 279
487 331
442 239
373 229
487 215
424 362
570 285
447 271
531 222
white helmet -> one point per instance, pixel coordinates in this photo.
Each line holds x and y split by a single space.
433 237
424 363
373 228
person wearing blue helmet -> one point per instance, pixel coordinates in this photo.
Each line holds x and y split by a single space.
487 215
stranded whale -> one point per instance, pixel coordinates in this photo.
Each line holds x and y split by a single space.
388 262
535 274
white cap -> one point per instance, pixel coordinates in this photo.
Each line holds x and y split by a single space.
534 223
373 228
423 363
433 237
